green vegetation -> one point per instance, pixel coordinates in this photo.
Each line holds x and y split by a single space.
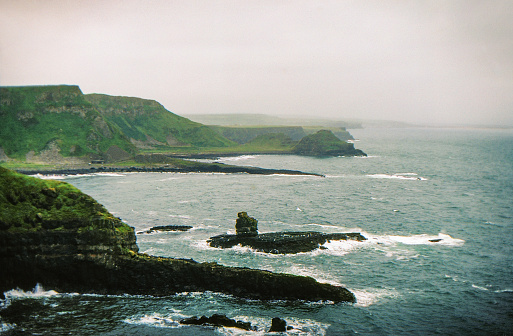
325 143
150 124
41 117
268 143
242 135
31 204
59 125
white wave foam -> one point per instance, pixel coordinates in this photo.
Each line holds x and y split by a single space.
49 177
200 244
367 297
188 201
339 247
237 158
4 327
37 292
480 287
424 239
155 320
404 176
180 216
109 174
507 290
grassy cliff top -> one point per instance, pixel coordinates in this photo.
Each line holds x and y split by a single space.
29 204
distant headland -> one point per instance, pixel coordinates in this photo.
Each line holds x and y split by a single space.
59 126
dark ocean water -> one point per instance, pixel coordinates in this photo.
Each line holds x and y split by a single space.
416 185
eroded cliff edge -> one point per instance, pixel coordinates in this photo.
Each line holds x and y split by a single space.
53 234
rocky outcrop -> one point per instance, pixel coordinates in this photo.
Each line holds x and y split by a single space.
167 228
245 225
276 242
278 325
282 242
53 234
218 320
325 143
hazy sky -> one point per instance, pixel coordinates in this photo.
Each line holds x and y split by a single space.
423 61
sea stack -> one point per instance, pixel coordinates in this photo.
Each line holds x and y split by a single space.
245 225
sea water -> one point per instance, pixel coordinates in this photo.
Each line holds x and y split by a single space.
435 204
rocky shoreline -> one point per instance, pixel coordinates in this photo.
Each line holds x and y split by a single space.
217 168
54 235
282 242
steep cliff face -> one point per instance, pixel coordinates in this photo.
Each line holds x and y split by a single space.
53 124
149 125
58 124
46 227
53 234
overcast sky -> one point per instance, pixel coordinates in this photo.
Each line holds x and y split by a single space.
414 61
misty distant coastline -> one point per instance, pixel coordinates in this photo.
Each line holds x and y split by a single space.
247 119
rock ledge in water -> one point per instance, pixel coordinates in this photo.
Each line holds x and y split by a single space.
282 242
218 320
167 228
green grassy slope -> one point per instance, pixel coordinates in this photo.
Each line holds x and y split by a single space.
31 204
32 117
151 125
243 135
269 142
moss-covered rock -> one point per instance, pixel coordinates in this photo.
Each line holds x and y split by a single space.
325 143
245 225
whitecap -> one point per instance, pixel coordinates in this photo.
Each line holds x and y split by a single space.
424 239
339 247
370 296
479 287
155 320
180 216
404 176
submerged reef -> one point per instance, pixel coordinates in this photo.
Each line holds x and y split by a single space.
53 234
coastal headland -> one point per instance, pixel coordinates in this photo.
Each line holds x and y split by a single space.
59 125
53 234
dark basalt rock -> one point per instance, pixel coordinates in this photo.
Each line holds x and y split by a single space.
168 228
245 225
87 254
218 320
192 168
283 242
278 325
325 143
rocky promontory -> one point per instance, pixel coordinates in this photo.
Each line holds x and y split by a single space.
276 242
325 143
53 234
